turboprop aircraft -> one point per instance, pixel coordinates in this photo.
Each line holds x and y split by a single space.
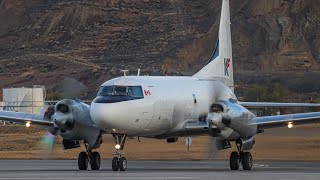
167 108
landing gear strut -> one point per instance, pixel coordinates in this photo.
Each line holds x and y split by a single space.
240 157
88 156
119 162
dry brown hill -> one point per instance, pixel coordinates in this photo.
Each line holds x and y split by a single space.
43 41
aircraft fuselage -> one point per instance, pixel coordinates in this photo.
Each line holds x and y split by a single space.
165 107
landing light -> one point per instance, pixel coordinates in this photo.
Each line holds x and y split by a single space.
117 146
28 124
290 125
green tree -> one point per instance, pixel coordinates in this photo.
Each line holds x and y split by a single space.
263 93
52 96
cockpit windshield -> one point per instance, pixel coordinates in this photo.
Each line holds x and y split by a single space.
120 91
131 91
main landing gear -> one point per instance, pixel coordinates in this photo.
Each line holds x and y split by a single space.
240 157
86 157
119 162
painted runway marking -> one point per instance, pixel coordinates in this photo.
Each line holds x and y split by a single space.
260 165
117 177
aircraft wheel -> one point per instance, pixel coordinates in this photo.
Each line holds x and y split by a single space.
123 164
83 161
95 161
246 160
115 164
234 161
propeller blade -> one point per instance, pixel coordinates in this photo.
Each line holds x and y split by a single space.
73 88
47 145
212 148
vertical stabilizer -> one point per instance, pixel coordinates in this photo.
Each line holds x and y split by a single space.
220 64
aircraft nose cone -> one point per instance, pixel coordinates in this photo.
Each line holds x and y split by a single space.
99 113
107 115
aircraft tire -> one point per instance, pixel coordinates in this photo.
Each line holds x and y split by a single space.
246 161
83 161
95 161
115 164
234 161
123 164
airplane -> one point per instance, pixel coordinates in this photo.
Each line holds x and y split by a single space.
166 107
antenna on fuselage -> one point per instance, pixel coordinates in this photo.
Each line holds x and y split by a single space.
138 74
124 72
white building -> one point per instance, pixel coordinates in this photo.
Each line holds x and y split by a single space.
1 106
30 100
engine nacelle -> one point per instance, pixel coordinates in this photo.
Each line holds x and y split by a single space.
73 119
235 117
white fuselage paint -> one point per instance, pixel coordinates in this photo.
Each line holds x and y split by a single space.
167 104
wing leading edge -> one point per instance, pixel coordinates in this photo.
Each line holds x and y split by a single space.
267 122
275 105
20 117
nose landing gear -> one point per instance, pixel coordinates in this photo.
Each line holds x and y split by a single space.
119 162
88 156
240 157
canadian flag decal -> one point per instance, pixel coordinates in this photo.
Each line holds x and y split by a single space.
147 92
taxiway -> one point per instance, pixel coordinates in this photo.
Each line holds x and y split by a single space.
216 169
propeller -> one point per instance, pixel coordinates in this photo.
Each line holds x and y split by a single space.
73 88
62 118
212 148
216 124
47 145
60 115
48 139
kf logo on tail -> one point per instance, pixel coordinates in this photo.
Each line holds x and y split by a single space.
226 66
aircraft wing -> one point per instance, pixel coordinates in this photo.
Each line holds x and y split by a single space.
276 105
266 122
20 117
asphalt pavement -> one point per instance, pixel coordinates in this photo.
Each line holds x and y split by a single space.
217 170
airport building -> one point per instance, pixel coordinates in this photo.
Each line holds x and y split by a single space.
1 106
30 100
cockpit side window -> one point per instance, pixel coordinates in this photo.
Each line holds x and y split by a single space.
135 91
105 91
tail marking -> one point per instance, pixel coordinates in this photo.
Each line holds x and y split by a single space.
226 66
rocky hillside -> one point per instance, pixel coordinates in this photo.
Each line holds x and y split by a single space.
44 41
